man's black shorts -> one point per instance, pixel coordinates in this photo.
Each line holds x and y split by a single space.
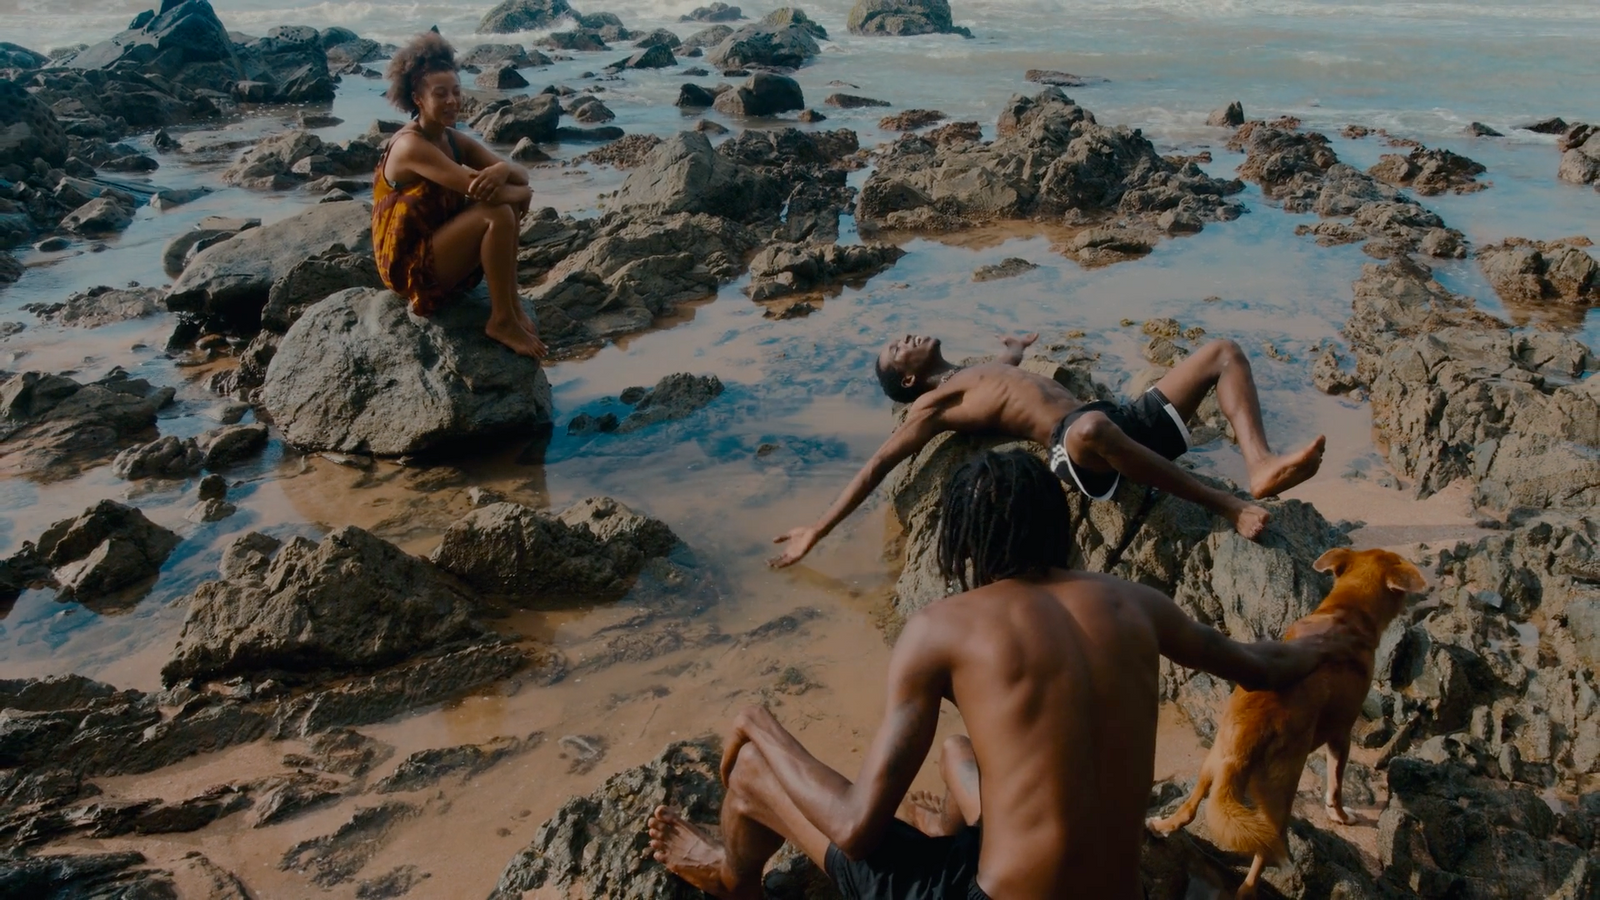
909 865
1150 420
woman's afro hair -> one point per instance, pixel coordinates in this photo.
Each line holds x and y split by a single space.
427 53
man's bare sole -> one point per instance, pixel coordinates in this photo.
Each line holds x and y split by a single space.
1290 469
925 811
1249 520
514 336
686 851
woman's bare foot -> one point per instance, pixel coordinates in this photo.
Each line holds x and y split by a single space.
686 851
1247 518
1281 473
513 335
926 813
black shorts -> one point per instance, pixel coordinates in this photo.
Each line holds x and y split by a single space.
909 865
1150 420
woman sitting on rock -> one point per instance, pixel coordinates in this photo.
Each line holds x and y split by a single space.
445 208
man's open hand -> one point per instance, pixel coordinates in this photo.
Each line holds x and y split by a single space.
1018 344
800 541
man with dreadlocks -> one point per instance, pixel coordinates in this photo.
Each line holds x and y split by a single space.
1055 675
1092 445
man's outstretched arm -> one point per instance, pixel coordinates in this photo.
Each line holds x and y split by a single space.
1259 666
854 816
1015 346
922 424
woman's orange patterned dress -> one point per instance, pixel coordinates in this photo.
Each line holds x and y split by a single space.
403 222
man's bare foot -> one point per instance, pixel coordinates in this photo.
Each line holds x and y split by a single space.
686 851
1284 472
513 335
926 813
1337 814
1248 519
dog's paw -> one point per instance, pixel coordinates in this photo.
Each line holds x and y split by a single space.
1338 815
1160 827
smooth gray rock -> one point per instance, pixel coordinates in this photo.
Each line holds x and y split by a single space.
764 94
101 215
359 373
524 15
788 46
903 17
685 175
351 603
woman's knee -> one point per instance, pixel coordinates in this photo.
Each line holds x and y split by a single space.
500 215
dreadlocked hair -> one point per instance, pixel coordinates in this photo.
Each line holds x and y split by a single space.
1002 515
427 53
889 379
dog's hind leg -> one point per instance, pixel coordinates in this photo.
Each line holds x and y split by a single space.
1184 814
1338 754
1247 889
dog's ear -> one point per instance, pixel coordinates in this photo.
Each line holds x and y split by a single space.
1333 561
1403 576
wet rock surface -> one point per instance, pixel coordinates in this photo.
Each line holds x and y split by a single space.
1430 172
592 551
358 372
1530 273
1051 160
172 457
903 17
1580 156
109 549
350 603
780 270
103 306
775 46
51 425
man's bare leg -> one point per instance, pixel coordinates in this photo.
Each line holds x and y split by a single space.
1221 364
1094 438
757 817
959 807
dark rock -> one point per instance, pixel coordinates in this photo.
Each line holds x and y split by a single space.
591 551
659 37
106 305
811 116
1478 129
506 121
602 134
349 55
1231 116
524 15
1007 268
673 397
285 160
172 457
851 101
1527 272
716 12
1430 172
102 215
1054 77
592 846
313 280
282 797
764 94
107 549
789 16
788 47
430 382
342 751
228 284
1555 125
656 56
590 111
706 126
15 56
28 129
55 692
910 120
580 40
625 153
350 603
527 151
782 269
513 55
171 199
705 39
136 162
425 768
336 858
213 487
56 424
693 96
500 78
685 174
903 17
88 875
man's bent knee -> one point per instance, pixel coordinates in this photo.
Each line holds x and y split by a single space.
955 748
1092 430
1227 351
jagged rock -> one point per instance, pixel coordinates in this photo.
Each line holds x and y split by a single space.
910 120
285 160
512 16
782 269
313 280
1478 129
229 283
903 17
693 96
101 215
1580 157
592 551
500 78
1007 268
764 94
351 603
425 768
659 37
92 876
1051 158
705 39
786 47
716 12
1230 116
655 56
28 129
105 306
1430 172
851 101
336 858
534 117
50 424
1525 272
625 153
592 847
514 55
579 40
673 397
173 457
359 373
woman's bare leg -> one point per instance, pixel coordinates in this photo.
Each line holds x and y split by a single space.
486 234
1221 364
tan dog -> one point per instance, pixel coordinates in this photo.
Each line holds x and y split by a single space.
1261 748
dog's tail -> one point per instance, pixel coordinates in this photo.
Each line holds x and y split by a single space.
1238 820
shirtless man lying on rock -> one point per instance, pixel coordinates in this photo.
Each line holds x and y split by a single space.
1092 445
1055 675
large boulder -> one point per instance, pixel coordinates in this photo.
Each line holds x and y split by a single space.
534 117
780 270
28 129
351 603
1430 172
714 12
785 16
764 94
99 554
184 35
1526 273
1580 157
903 17
787 46
591 551
686 175
174 457
524 15
358 372
51 425
513 55
290 62
704 39
229 283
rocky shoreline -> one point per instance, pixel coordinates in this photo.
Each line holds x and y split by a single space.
1480 742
